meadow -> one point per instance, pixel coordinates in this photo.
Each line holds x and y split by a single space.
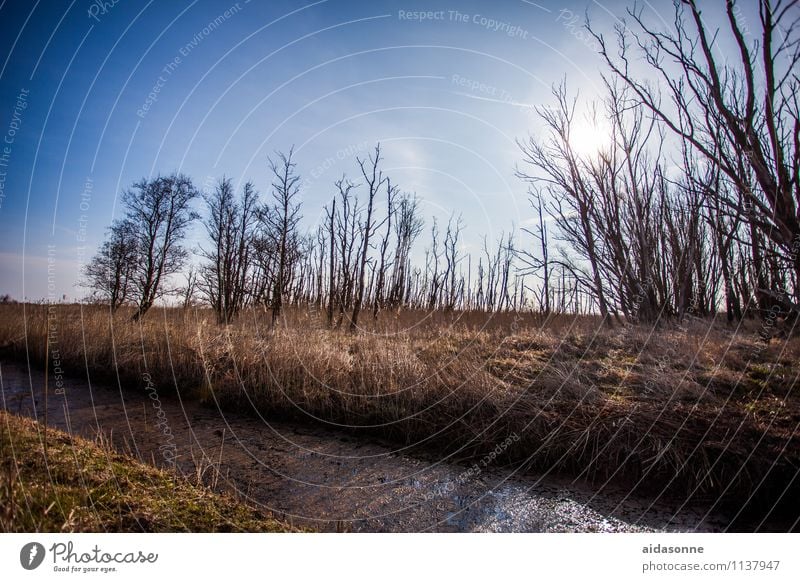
697 411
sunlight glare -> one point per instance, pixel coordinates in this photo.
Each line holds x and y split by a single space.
588 138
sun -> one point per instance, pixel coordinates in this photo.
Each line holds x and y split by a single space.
588 138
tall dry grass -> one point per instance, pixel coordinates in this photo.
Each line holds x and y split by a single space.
697 409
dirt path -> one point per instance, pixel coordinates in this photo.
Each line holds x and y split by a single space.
330 480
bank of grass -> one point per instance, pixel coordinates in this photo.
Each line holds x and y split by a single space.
702 410
83 487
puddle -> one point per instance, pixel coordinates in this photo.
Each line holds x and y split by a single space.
330 480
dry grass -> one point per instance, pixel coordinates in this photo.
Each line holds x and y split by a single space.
707 410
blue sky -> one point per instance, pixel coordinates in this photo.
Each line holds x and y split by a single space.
94 96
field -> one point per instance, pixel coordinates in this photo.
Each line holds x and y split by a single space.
699 410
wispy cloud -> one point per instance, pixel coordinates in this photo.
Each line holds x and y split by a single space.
494 100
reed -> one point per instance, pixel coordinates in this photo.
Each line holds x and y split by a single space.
699 410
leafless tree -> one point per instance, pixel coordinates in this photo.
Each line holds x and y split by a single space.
452 257
348 238
374 181
407 227
158 212
536 264
110 271
281 223
433 276
738 108
189 290
382 267
231 227
637 237
330 217
558 169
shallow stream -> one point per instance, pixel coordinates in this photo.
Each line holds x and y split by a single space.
331 480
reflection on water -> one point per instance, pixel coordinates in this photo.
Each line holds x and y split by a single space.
331 480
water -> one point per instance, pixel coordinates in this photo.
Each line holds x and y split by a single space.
330 480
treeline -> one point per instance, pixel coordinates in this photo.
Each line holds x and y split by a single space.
358 259
691 207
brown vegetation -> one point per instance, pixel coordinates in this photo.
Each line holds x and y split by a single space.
700 409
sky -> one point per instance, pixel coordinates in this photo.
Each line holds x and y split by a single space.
96 95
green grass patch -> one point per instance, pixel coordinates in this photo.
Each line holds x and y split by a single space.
80 486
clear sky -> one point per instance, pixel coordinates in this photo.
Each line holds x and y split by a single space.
95 95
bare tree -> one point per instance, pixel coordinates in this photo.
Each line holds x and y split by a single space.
331 215
110 271
348 236
380 284
738 108
281 219
407 227
433 277
452 257
188 291
231 226
158 212
558 169
374 179
532 263
637 236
